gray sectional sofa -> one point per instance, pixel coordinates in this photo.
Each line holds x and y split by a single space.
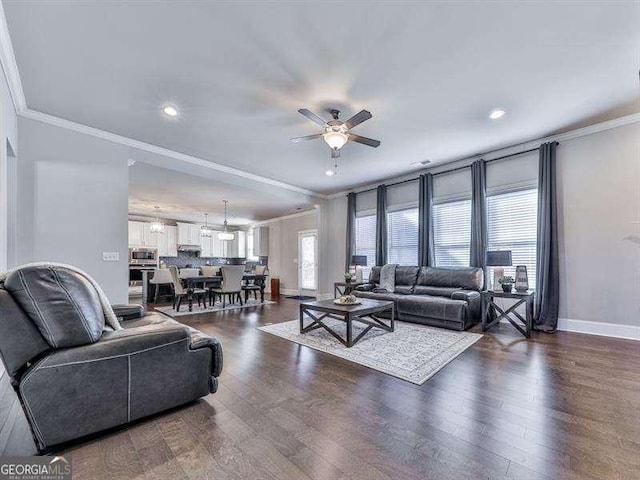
441 297
74 375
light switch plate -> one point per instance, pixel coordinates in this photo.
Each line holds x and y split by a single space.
110 256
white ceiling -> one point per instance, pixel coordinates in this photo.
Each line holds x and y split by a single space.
430 73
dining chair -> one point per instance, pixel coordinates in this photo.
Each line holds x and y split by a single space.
181 291
161 277
189 272
231 285
210 270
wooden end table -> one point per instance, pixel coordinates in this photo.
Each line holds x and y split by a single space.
366 312
522 297
344 288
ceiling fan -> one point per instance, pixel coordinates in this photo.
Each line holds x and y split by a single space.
337 133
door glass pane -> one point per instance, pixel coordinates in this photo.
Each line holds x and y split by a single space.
308 262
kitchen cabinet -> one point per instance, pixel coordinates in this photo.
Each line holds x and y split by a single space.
206 246
261 241
166 242
188 234
218 246
136 234
171 236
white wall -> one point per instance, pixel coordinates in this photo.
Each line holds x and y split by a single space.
332 226
283 248
8 193
73 191
599 200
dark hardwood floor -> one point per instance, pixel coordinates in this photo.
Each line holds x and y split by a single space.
560 406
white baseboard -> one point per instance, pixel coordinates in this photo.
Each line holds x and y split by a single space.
617 330
589 327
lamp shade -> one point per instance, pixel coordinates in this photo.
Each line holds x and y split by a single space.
499 258
359 260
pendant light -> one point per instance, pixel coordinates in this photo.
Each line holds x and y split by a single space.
205 230
225 235
156 226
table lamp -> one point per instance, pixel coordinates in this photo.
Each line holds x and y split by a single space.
498 259
358 261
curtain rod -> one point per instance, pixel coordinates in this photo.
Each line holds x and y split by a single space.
455 169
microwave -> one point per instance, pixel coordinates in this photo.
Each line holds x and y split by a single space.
143 256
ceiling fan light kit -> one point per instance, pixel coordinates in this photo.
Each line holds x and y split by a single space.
336 133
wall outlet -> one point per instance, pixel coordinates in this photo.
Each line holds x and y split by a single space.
110 256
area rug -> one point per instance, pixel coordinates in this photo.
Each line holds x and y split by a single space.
411 352
184 308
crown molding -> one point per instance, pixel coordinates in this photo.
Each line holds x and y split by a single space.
9 65
148 147
562 137
284 217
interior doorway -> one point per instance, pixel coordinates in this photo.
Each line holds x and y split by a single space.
308 261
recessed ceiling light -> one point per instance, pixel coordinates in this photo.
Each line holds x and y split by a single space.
329 173
170 111
496 114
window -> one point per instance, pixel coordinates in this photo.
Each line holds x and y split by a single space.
250 255
366 241
402 237
512 225
452 233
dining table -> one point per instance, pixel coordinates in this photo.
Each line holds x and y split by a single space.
215 281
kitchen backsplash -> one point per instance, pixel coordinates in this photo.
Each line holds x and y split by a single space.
185 259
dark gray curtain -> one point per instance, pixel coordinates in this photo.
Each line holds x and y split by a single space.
381 225
426 252
479 237
351 229
547 276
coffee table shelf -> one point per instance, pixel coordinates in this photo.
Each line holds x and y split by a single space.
368 313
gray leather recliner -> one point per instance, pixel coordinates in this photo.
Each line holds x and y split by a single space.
75 375
437 296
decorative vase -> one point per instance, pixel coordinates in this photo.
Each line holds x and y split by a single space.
522 280
506 287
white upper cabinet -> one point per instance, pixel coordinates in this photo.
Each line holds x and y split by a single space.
140 235
171 236
136 234
206 245
188 234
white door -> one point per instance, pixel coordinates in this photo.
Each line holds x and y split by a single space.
308 260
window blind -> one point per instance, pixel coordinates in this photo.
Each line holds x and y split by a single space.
366 241
402 236
512 225
452 233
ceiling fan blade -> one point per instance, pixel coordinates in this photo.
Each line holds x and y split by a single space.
335 152
364 140
313 117
306 137
357 119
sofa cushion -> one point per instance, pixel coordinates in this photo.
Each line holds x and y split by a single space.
434 307
374 276
404 289
435 291
470 278
198 339
406 276
62 303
